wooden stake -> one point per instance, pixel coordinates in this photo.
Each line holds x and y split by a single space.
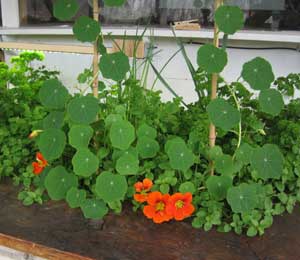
96 11
214 85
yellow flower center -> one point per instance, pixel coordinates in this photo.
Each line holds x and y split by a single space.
160 206
179 204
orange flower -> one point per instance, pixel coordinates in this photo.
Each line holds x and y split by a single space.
143 188
156 208
180 205
40 164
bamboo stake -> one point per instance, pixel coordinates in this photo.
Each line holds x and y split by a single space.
214 85
96 11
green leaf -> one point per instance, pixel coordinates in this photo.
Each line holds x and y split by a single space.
146 130
147 147
215 152
52 143
187 187
127 164
80 136
94 208
251 232
224 164
65 10
58 182
271 101
258 73
53 94
211 58
83 110
181 158
114 66
114 2
54 119
122 134
244 153
75 197
242 198
218 186
164 188
86 29
85 163
268 162
112 118
222 114
229 19
111 187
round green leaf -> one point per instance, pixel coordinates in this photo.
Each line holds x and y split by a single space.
94 208
75 197
271 101
58 182
122 134
215 152
244 153
111 187
112 118
164 188
80 136
127 164
54 119
86 29
65 10
114 66
242 198
181 158
229 19
83 110
258 73
218 186
224 164
114 2
52 143
85 163
187 187
53 94
147 147
146 130
222 114
268 162
211 58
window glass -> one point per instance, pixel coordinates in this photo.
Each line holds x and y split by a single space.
259 14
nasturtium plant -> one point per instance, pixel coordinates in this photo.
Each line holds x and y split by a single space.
55 119
225 165
80 136
114 2
65 10
75 197
271 101
127 164
244 153
94 208
146 131
122 134
85 163
86 29
218 186
147 147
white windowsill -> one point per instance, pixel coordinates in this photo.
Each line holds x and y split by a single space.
246 35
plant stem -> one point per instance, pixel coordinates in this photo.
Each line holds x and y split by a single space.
96 11
214 85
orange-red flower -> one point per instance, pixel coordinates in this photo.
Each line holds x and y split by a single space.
156 208
142 188
40 164
180 206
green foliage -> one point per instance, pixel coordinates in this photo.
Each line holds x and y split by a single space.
80 136
114 2
271 101
75 197
218 186
94 209
85 163
65 10
86 29
122 134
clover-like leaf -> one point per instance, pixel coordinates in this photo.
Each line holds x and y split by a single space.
75 197
58 182
267 161
111 187
218 186
65 10
181 158
52 143
229 19
242 198
122 134
80 136
146 130
86 29
94 208
244 153
54 119
222 114
114 66
53 94
83 110
225 165
114 2
147 147
258 73
271 101
211 58
85 163
127 164
187 186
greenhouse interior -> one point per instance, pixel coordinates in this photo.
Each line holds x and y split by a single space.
149 129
